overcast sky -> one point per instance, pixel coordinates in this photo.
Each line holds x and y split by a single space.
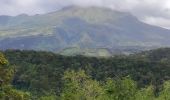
156 12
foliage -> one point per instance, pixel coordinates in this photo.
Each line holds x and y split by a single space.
124 89
49 97
79 86
165 93
47 75
76 88
145 94
7 92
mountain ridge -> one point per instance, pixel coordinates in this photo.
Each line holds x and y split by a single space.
88 27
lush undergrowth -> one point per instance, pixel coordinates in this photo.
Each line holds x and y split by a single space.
49 76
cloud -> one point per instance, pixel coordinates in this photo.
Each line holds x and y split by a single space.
156 12
11 7
158 21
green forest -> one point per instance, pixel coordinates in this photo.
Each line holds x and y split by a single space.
39 75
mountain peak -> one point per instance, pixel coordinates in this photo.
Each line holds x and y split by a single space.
87 27
22 15
87 8
92 14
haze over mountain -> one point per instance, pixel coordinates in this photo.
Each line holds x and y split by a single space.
73 26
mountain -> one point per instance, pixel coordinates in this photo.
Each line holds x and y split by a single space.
80 27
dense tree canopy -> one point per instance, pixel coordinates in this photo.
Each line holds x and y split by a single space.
79 86
48 76
7 92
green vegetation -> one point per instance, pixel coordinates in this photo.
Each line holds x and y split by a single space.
79 86
7 92
48 76
100 52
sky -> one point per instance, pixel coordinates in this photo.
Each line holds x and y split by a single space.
155 12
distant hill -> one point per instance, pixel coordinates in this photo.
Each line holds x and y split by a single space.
77 27
92 52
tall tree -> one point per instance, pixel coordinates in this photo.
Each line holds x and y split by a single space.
79 86
165 93
7 92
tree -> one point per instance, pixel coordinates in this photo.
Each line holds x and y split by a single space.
79 86
145 94
120 89
7 92
165 93
50 97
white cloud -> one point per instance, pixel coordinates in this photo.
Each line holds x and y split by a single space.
158 21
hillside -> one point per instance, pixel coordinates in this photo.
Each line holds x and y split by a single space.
74 26
41 73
